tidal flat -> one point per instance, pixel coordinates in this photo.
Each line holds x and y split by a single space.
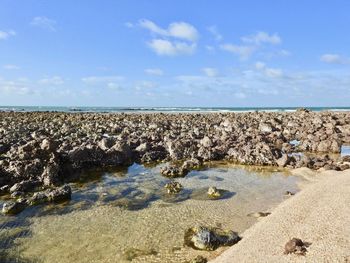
124 215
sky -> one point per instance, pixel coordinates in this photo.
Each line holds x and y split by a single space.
202 53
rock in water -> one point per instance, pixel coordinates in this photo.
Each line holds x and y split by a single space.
203 238
13 208
213 192
173 187
60 194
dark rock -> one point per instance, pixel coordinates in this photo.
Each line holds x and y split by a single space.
204 238
13 208
295 246
173 171
59 194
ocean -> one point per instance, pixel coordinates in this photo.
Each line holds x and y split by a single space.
163 109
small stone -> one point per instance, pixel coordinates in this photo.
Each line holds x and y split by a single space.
295 246
213 192
288 193
259 214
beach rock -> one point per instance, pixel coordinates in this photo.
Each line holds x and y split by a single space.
24 186
295 246
13 208
203 238
173 171
173 187
49 145
213 192
59 194
38 198
198 259
283 161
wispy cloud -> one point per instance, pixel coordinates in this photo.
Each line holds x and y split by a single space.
242 51
214 31
44 23
52 81
181 30
6 34
169 48
334 59
210 72
262 37
92 80
10 67
154 71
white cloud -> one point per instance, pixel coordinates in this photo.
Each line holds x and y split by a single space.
11 67
52 81
6 34
214 31
269 72
243 52
262 37
154 71
334 59
168 48
18 87
93 80
210 72
180 30
44 23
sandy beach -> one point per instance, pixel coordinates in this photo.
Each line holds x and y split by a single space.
319 214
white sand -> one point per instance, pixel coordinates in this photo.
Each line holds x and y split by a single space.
319 214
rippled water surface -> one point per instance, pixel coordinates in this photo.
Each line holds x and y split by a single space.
126 215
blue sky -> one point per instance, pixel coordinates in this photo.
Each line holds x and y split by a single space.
175 53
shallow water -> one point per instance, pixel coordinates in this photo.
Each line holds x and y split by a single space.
126 215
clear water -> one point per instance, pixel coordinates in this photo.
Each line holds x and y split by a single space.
126 215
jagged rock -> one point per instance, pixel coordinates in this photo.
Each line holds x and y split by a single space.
283 161
204 238
173 187
213 192
24 186
173 171
13 208
59 194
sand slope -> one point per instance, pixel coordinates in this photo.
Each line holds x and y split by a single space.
319 214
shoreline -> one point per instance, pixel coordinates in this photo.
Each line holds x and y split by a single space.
318 214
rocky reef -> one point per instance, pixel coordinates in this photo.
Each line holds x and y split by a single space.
40 150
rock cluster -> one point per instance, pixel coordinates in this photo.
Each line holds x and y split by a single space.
47 149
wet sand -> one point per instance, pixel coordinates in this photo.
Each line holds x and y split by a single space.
319 214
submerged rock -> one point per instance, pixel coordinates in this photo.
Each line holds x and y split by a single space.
173 187
203 238
59 194
13 208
